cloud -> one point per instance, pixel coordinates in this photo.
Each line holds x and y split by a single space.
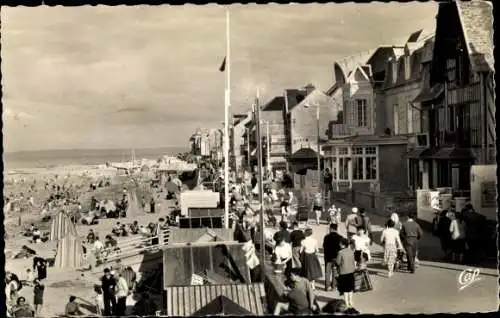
139 67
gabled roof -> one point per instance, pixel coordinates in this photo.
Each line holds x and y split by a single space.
363 70
349 64
477 23
276 104
333 89
317 98
221 306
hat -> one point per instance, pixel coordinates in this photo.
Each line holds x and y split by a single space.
355 210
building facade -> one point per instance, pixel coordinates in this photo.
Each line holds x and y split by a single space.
356 146
459 110
274 134
237 131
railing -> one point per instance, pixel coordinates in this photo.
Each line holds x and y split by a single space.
339 130
134 246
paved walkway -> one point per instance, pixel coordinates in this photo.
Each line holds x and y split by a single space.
433 288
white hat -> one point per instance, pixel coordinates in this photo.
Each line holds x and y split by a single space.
355 210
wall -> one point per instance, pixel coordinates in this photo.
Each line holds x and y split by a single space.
351 92
393 168
401 96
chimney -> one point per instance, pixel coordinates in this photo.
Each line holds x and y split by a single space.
309 88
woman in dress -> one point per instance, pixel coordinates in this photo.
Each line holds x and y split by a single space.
38 290
282 256
311 267
392 243
346 268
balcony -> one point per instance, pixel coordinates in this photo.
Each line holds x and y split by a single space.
448 139
339 130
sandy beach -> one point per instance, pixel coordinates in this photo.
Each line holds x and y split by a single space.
36 184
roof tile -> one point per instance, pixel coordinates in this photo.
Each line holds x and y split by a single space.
477 22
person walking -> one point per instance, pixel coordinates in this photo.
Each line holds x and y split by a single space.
331 248
392 243
328 186
351 223
296 238
457 230
122 293
346 267
317 207
38 290
411 233
108 283
361 247
311 267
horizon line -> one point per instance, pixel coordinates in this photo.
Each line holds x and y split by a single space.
103 148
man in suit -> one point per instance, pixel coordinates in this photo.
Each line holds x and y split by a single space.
411 233
331 248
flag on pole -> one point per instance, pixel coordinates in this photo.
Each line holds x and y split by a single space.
222 67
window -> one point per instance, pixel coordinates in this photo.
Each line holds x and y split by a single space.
395 109
357 168
344 168
343 151
362 116
371 168
410 119
357 150
370 150
403 119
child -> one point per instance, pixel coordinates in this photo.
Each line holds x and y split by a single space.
335 215
361 248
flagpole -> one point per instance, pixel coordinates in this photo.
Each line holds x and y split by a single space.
260 184
227 103
268 151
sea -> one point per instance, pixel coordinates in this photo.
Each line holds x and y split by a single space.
55 158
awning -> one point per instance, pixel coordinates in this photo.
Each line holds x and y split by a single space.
422 153
304 153
429 94
453 154
415 153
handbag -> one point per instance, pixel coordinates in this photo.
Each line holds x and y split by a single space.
362 281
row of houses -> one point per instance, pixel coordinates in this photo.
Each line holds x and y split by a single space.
409 116
207 143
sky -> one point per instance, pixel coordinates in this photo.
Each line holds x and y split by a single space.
148 76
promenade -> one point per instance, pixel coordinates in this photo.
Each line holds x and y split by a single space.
433 288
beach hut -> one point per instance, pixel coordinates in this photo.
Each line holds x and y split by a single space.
62 226
133 208
202 217
69 252
215 300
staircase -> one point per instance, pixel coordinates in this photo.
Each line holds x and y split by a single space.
136 252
